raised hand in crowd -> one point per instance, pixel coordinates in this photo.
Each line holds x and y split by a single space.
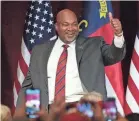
43 114
20 114
57 109
120 117
96 100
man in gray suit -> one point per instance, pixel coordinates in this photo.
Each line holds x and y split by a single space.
84 65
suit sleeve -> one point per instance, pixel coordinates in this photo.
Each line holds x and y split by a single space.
112 54
27 83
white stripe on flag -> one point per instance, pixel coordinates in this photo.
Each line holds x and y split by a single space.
20 75
136 46
25 53
15 95
134 74
53 38
111 93
131 101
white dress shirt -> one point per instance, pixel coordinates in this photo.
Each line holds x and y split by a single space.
73 84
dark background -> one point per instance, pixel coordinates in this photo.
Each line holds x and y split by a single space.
13 17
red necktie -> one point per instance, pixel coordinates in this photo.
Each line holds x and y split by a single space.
61 73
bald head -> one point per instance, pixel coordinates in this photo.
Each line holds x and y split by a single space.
66 13
67 25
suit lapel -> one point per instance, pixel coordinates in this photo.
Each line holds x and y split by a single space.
79 49
80 46
45 57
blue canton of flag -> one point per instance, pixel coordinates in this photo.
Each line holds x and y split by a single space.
39 24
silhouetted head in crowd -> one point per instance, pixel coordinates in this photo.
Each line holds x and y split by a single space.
133 117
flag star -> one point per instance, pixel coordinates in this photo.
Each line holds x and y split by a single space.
45 12
30 15
48 30
40 1
32 41
42 27
33 33
50 22
43 20
29 22
35 25
33 0
27 30
51 15
40 35
36 17
46 4
38 9
31 7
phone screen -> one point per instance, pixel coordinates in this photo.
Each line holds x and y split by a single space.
32 102
109 110
85 108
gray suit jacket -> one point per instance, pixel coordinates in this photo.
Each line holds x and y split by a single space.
92 55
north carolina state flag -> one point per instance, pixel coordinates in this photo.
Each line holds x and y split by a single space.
96 22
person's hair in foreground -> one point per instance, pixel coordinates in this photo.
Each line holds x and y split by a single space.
5 113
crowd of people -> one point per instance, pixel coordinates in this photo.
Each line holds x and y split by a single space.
58 111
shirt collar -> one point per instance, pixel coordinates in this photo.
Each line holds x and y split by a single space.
60 43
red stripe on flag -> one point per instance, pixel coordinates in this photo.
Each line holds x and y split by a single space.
106 32
127 109
114 74
23 66
17 85
13 106
133 89
135 59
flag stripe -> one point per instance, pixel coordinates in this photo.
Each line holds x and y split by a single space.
25 53
23 65
20 75
127 108
15 95
114 77
133 88
17 86
135 59
108 35
111 92
134 74
132 102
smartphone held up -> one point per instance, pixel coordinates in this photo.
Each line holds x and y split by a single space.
109 109
32 102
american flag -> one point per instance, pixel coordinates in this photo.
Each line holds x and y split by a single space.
39 27
132 92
